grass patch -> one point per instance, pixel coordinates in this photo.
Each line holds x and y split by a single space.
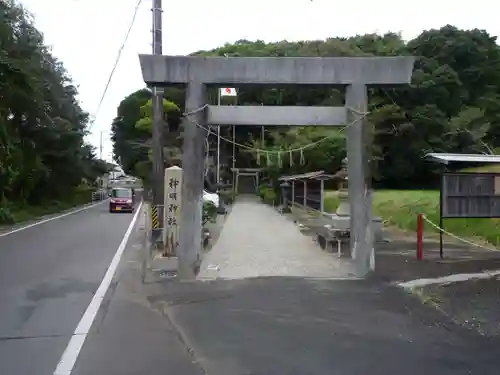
13 213
400 208
427 297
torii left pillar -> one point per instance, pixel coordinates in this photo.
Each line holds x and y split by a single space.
192 184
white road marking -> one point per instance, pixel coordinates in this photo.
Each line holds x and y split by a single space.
51 218
72 351
455 278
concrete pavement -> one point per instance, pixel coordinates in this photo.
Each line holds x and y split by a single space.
258 241
48 275
292 326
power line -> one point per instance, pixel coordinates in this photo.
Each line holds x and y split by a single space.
118 56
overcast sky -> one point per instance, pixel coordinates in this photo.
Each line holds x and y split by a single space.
86 34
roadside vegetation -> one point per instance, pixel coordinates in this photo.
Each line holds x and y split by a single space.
18 213
45 164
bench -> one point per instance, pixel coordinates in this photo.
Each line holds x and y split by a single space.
328 235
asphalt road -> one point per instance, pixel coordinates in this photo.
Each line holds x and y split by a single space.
50 273
298 326
48 276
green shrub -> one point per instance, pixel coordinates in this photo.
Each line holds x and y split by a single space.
11 213
209 212
268 195
81 195
226 196
6 216
262 191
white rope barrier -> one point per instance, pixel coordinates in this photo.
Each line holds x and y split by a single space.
457 237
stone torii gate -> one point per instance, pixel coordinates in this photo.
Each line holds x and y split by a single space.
198 73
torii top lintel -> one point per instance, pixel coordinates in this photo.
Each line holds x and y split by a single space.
159 70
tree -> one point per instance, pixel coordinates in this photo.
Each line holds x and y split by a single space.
452 105
43 155
131 134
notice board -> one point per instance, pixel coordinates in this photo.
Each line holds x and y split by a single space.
470 195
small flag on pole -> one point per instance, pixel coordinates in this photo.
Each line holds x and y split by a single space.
227 91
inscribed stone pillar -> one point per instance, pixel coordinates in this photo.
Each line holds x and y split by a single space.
173 207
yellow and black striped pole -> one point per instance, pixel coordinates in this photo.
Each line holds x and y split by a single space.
155 223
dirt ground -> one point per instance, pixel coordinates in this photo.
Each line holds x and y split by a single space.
474 304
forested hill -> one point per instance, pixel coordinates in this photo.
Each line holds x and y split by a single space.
43 156
452 105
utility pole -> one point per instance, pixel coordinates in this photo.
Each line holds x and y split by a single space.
100 145
158 121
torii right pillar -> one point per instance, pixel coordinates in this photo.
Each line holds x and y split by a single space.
359 144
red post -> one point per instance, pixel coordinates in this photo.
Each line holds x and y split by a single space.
420 235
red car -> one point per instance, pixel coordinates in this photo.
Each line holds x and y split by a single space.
121 199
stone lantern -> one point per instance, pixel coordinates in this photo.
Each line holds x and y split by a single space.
285 205
341 218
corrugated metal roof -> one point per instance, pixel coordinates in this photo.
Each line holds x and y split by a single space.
303 176
462 158
319 175
326 177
